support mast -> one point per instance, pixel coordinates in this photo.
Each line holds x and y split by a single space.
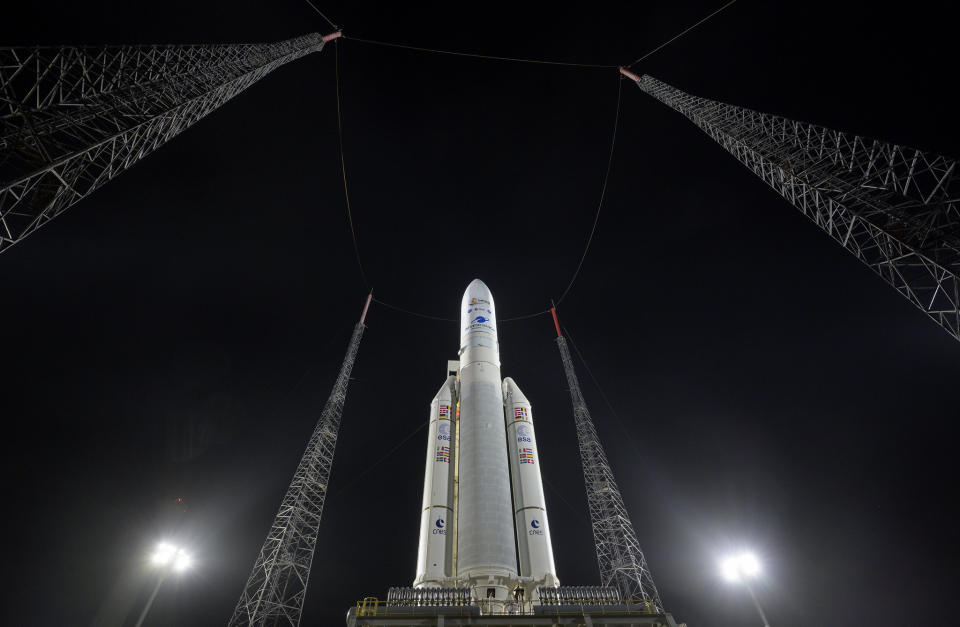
897 209
276 588
73 118
621 561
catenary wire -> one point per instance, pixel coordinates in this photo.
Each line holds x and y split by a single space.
314 7
443 319
478 56
353 235
560 496
414 313
383 458
343 166
596 383
671 40
603 193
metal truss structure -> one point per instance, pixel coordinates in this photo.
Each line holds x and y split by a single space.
75 117
276 588
897 209
622 564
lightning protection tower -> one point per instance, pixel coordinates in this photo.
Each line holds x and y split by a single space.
619 557
897 209
75 117
277 584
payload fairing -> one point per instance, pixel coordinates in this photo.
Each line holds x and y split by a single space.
484 520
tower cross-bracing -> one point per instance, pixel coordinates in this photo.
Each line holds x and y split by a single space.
275 590
621 561
75 117
897 209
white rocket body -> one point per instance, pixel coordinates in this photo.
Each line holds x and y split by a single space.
435 555
486 552
535 549
469 494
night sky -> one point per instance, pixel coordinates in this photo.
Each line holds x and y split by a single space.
175 335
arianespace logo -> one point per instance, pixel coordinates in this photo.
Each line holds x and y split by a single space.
441 525
536 530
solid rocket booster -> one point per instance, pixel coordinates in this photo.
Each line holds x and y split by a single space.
535 549
485 534
435 554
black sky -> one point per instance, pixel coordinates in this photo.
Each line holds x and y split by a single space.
176 334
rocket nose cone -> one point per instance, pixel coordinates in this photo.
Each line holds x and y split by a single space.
476 292
478 320
477 289
477 311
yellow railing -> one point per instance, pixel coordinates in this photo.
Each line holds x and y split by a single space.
372 606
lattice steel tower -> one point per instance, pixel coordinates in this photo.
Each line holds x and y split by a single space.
621 561
75 117
277 585
897 209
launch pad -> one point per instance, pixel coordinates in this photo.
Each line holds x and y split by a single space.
372 612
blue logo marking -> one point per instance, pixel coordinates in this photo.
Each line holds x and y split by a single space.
481 319
535 524
440 523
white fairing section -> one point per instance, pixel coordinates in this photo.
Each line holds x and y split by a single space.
435 555
485 537
530 509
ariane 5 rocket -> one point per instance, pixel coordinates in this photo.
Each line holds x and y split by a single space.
484 520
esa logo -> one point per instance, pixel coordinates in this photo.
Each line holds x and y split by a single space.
523 434
536 530
444 433
440 530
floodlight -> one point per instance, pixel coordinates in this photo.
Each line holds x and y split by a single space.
736 567
743 568
163 554
182 561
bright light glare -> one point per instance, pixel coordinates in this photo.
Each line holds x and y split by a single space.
169 555
182 562
164 554
749 564
736 567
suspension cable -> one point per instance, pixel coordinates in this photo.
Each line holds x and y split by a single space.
676 37
478 56
314 7
343 166
343 170
603 193
383 458
596 383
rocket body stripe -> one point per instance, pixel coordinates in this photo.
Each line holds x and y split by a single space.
435 553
